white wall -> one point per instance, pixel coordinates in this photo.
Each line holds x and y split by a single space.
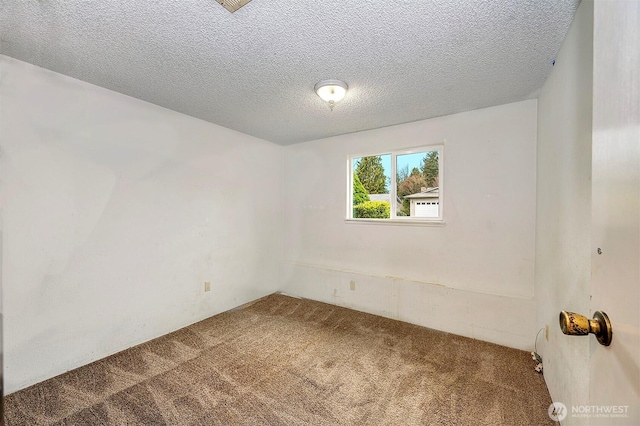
115 212
473 276
563 230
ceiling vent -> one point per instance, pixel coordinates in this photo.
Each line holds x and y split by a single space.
233 5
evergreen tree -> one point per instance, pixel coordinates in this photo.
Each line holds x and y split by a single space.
360 194
371 174
430 168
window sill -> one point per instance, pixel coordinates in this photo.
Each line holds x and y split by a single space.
402 222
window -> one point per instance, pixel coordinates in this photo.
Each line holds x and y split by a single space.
414 194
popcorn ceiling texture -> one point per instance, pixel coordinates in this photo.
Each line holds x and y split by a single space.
254 70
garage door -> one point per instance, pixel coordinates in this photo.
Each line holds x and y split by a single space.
426 209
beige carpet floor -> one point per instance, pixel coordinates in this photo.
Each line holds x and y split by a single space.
287 361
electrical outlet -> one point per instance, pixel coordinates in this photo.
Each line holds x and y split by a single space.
352 285
546 332
207 286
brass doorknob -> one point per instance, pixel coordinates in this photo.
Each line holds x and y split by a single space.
574 324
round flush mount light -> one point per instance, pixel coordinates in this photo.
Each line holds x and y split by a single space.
331 91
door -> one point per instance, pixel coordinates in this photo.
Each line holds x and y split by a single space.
614 384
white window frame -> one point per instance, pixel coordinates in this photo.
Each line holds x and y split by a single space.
401 220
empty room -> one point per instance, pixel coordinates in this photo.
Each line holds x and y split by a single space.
267 212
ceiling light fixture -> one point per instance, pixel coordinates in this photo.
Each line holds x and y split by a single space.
331 91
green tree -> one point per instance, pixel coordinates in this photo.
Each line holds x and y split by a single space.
371 174
430 168
373 209
360 194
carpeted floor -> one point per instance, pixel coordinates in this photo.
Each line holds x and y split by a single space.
287 361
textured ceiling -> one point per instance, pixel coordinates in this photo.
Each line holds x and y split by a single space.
254 70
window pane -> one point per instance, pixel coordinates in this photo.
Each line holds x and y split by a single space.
417 184
371 184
